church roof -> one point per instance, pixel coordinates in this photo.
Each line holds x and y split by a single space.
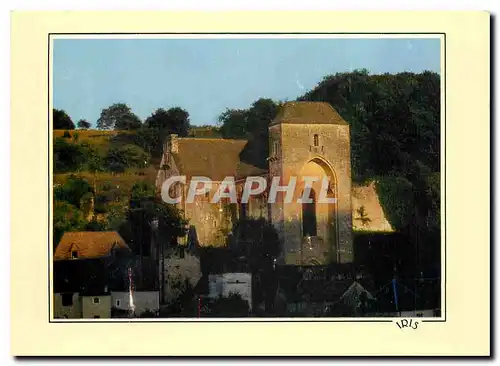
308 113
212 158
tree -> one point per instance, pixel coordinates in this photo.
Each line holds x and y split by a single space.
126 156
83 124
68 156
232 306
66 217
159 125
61 120
172 121
233 124
73 191
118 116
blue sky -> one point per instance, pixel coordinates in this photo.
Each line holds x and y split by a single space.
206 76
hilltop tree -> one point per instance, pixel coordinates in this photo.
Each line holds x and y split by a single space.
159 125
61 120
83 124
233 123
118 116
175 120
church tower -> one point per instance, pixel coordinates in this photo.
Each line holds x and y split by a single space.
310 139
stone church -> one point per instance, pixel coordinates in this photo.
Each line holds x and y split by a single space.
305 139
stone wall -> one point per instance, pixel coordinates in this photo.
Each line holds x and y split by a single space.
367 212
333 155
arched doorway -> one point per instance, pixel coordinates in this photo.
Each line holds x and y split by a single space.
319 217
309 223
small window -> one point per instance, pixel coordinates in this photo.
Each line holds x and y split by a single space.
95 300
118 302
316 140
67 299
96 316
215 223
275 148
74 254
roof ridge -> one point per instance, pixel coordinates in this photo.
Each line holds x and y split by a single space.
211 139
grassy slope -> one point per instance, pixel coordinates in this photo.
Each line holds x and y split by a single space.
101 141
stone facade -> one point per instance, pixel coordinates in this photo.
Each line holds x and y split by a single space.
305 139
299 157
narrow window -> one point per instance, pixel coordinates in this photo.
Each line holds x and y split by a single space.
275 148
95 300
74 254
67 299
316 140
117 302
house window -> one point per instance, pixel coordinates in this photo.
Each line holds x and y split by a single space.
316 140
96 316
117 302
74 254
95 300
67 299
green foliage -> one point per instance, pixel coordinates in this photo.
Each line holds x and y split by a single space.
159 125
232 306
66 217
126 156
83 124
74 191
67 135
396 196
175 120
142 190
394 118
72 157
95 225
61 120
251 124
118 116
257 239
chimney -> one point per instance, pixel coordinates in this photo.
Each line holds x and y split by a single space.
173 143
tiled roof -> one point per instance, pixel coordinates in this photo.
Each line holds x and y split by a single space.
212 158
308 113
88 244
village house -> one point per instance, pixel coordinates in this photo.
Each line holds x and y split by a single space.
95 274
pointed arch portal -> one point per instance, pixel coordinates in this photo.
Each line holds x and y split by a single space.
309 223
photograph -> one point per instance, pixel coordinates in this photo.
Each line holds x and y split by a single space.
250 177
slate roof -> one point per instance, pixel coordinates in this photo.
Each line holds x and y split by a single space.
88 244
308 113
